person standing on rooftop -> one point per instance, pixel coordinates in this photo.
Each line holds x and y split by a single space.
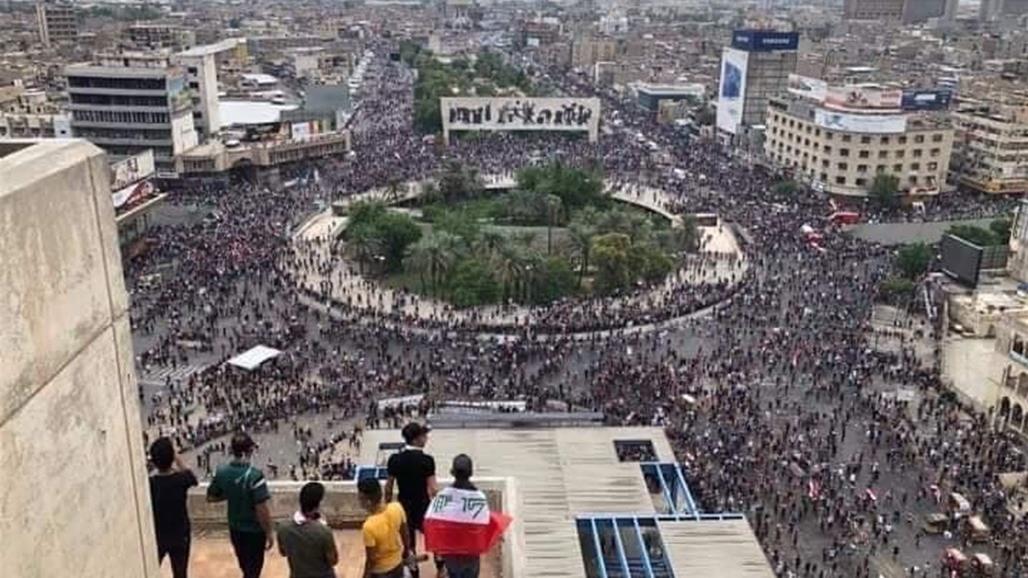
413 471
249 519
306 540
168 488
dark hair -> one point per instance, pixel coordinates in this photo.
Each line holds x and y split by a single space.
310 496
370 488
162 453
461 468
242 444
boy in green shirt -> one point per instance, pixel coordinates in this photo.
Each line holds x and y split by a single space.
249 520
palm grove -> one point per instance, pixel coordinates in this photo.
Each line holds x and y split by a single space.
555 235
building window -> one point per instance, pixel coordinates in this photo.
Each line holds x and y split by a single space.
842 166
880 169
840 180
885 140
865 154
635 451
918 153
901 154
861 168
919 138
933 166
935 152
860 182
913 179
903 140
828 135
825 164
844 152
846 138
937 137
897 168
865 139
915 166
828 149
883 154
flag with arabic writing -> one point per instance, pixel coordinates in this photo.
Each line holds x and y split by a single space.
459 522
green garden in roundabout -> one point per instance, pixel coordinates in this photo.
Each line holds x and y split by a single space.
557 234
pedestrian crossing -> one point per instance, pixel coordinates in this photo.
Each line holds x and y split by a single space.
176 373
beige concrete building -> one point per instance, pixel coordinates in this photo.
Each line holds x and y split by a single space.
73 485
841 152
992 145
1012 397
56 22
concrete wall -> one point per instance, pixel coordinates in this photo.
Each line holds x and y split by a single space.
73 489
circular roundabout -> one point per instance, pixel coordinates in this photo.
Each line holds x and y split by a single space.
352 284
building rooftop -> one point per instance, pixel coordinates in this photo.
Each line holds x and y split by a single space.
571 487
248 112
216 48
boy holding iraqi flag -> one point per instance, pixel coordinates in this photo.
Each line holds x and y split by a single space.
459 526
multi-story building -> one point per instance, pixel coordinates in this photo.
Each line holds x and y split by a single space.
917 11
129 103
754 68
991 153
56 21
886 10
34 125
202 64
586 52
842 150
1012 397
161 36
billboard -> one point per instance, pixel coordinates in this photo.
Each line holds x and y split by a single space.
131 170
765 40
863 98
807 87
935 99
860 123
732 90
961 260
512 113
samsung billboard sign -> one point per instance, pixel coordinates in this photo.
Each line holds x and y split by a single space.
765 40
927 99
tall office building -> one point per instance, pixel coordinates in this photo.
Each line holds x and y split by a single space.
754 68
918 11
72 465
126 104
56 22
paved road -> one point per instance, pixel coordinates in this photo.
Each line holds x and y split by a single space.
903 233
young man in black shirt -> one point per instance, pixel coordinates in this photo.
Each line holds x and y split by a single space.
414 472
168 489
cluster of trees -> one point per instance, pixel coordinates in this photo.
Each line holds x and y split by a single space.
467 260
468 265
487 75
998 233
379 238
912 262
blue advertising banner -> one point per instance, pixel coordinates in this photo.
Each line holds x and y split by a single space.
765 40
936 99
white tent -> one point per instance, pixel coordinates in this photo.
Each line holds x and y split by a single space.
253 358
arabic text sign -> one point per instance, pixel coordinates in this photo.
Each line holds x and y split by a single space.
510 113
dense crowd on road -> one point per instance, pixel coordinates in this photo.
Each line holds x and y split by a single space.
774 399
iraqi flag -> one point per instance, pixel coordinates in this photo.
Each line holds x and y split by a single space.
459 522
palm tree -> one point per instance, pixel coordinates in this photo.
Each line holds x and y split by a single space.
363 246
490 243
553 209
582 230
507 268
433 255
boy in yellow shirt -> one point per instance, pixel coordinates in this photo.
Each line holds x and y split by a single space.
386 541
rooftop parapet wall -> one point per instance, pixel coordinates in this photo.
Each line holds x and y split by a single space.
73 484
